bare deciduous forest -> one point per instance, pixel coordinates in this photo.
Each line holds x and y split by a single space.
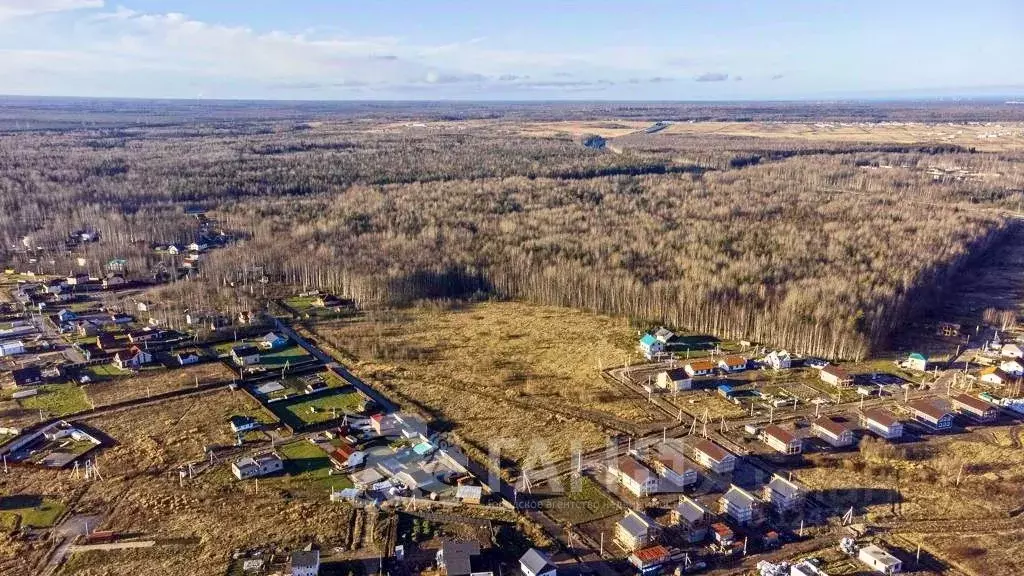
820 246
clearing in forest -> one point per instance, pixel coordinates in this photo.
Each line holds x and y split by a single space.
528 372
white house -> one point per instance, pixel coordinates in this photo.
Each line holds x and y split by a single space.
133 359
304 563
663 335
924 410
1012 351
672 466
879 560
636 477
917 361
741 506
691 518
835 433
783 494
974 407
257 465
187 358
674 380
781 440
651 346
733 363
779 360
836 376
883 423
714 457
1012 367
11 347
993 375
700 368
114 280
636 530
536 563
245 355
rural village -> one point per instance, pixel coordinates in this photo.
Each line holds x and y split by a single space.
718 475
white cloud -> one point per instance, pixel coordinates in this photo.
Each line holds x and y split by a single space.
18 8
132 53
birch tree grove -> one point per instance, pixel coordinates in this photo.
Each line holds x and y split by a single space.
822 247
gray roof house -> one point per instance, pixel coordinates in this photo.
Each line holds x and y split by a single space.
536 563
455 557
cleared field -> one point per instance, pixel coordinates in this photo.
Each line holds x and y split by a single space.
149 383
209 518
520 369
912 492
983 136
56 400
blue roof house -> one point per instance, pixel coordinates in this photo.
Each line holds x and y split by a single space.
651 346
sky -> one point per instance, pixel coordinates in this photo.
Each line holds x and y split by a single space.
512 50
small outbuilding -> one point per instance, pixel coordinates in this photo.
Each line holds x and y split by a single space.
880 560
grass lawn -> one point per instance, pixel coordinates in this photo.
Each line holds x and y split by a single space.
297 412
57 399
33 511
292 354
579 506
309 468
305 307
100 372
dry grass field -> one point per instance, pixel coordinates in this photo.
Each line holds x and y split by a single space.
606 128
983 136
528 372
972 527
201 523
148 383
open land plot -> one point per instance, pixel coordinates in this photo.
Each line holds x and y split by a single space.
29 511
104 393
987 136
140 493
53 400
537 354
911 491
105 372
296 385
577 501
307 410
505 366
291 354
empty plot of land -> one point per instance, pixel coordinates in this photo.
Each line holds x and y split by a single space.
150 383
525 372
984 136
